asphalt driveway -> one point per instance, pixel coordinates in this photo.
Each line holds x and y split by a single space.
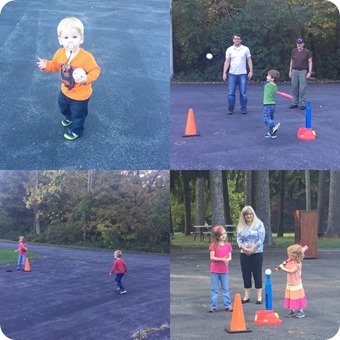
69 295
190 291
237 141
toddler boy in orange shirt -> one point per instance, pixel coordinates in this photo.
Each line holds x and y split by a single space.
78 70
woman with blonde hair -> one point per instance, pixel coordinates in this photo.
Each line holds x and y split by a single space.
250 239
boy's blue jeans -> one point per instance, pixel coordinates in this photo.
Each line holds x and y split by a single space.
215 279
118 279
268 116
21 261
235 80
75 111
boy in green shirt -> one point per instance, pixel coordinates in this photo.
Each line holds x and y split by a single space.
270 89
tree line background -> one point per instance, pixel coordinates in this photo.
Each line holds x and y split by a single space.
217 197
105 209
268 27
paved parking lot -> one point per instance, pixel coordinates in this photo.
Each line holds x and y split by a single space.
237 141
190 298
69 295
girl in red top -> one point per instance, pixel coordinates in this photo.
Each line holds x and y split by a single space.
22 250
220 256
295 298
120 268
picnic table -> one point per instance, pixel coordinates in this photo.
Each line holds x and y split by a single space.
204 231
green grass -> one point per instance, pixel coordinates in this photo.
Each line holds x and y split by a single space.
182 241
9 256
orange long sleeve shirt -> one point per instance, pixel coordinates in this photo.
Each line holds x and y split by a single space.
84 60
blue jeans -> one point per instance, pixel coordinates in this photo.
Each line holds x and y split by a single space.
223 278
118 279
268 116
75 111
21 261
235 80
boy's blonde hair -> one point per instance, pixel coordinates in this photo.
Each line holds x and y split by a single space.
296 253
70 22
117 254
22 238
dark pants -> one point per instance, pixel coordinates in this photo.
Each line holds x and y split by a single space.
75 111
251 265
118 279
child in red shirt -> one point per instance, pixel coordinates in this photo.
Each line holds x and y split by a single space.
71 61
295 298
220 256
120 267
22 250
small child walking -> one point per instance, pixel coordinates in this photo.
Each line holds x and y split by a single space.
71 61
269 104
120 267
22 250
220 256
295 298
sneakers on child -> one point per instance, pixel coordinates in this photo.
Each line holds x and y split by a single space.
66 122
118 288
123 292
300 314
70 135
291 314
276 128
268 135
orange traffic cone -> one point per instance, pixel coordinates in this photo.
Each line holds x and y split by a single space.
238 324
190 129
27 265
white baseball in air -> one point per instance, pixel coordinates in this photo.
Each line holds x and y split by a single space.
268 272
209 56
79 73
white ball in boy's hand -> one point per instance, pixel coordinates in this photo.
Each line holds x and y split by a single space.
79 73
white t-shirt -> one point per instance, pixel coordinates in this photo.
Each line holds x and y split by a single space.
238 59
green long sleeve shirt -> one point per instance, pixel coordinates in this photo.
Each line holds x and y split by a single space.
269 93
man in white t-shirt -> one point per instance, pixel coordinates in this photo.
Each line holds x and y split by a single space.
236 59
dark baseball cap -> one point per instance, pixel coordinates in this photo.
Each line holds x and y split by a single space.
300 41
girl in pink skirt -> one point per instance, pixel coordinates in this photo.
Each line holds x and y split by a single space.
295 298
